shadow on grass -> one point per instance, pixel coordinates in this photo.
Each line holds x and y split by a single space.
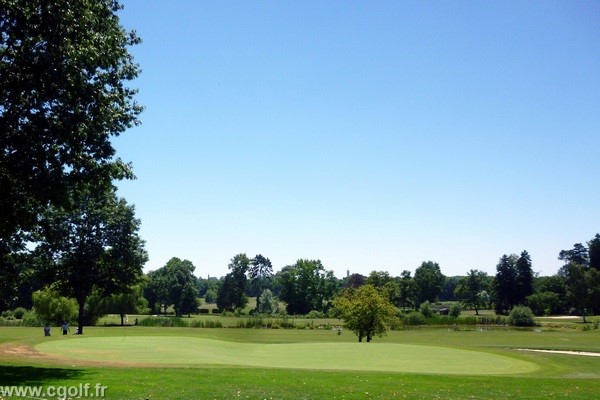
28 375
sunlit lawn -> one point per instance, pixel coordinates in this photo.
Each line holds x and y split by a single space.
555 376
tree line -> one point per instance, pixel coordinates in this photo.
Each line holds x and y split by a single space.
306 286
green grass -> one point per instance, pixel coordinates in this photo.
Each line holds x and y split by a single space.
387 357
555 376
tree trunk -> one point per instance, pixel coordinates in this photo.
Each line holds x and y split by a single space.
81 303
122 319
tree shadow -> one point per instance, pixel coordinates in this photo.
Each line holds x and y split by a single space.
29 375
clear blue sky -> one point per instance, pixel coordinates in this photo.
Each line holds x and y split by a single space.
371 135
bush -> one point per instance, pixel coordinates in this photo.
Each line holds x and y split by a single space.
7 314
521 316
19 312
9 322
425 309
31 318
413 318
315 314
455 310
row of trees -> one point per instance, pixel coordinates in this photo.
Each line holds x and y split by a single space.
307 286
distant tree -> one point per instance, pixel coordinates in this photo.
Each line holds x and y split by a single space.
210 296
268 303
231 293
378 278
393 292
407 290
544 303
449 289
306 286
594 252
226 293
355 280
188 303
505 283
365 311
523 278
593 282
93 246
578 255
157 291
130 301
63 73
577 288
469 289
260 272
428 281
167 284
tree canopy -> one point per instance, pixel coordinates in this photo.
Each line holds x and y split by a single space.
63 74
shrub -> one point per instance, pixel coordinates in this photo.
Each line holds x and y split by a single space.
455 310
9 322
521 316
7 314
315 314
413 318
31 318
19 312
425 309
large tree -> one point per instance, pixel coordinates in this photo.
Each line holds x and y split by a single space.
365 311
95 245
64 69
428 282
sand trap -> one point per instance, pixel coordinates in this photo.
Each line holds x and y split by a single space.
570 352
563 317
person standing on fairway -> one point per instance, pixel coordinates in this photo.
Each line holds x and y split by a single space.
46 330
65 328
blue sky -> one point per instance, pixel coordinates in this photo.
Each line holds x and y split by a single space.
370 135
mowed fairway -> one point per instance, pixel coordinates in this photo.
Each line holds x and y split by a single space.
385 357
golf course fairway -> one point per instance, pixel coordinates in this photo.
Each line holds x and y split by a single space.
390 357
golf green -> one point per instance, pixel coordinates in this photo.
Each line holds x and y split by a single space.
390 357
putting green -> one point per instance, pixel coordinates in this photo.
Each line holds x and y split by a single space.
320 356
